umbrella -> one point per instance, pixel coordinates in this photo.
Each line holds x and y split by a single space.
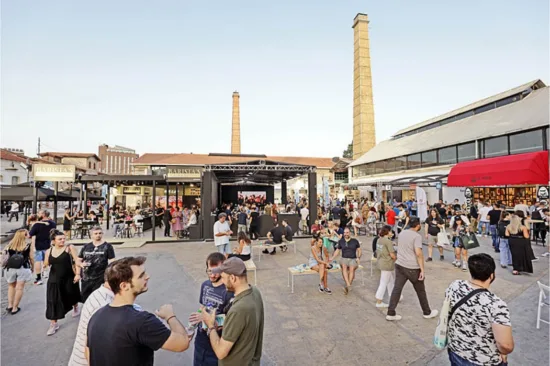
76 195
26 194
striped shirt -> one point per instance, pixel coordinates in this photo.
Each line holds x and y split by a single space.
97 299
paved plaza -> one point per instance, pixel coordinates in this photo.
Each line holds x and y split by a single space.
304 328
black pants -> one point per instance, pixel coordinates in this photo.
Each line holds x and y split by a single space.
12 214
254 234
243 257
402 275
87 287
166 228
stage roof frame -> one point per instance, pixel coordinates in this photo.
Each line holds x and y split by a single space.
258 171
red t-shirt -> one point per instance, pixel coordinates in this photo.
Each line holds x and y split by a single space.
390 217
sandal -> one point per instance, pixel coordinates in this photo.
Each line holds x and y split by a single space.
15 312
9 309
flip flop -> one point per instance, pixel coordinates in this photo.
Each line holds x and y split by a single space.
15 312
9 309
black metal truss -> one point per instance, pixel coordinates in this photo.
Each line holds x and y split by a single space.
261 168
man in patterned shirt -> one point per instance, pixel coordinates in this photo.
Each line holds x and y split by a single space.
479 331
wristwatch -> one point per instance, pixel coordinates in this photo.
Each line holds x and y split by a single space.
210 330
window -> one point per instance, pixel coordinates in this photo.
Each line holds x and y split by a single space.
429 158
413 161
503 102
466 151
526 142
496 146
89 165
379 167
447 155
484 108
390 165
547 141
94 165
401 163
14 181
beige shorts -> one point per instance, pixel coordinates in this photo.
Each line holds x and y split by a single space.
432 240
350 262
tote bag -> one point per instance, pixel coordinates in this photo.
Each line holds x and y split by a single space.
440 336
469 241
442 239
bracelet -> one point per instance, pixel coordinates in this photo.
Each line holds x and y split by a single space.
167 320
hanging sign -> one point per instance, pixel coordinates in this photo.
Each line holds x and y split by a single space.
542 193
53 173
183 172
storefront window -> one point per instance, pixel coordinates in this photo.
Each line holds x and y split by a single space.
401 163
496 146
379 167
466 151
413 161
526 142
390 165
429 158
447 155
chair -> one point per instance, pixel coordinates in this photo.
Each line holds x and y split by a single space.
139 227
544 300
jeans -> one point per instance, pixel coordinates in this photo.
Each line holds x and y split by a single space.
224 248
117 227
204 357
166 228
505 254
387 280
402 275
241 227
494 235
14 214
456 360
480 227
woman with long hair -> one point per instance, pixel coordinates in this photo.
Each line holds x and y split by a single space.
244 249
67 218
19 264
319 262
371 221
386 257
382 211
460 229
520 246
63 292
434 225
504 247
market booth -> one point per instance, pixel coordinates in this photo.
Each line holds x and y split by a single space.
509 178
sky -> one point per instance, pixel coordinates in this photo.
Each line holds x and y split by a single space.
158 77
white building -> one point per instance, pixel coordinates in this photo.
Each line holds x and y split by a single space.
13 168
513 122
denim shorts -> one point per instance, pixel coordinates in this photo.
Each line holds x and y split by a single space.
39 255
224 248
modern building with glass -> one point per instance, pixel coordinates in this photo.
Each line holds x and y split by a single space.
511 123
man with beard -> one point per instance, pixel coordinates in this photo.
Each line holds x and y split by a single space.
95 258
351 256
119 334
242 337
41 231
213 292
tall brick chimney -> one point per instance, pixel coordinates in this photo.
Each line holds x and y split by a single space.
364 137
236 126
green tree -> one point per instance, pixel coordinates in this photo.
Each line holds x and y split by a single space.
348 153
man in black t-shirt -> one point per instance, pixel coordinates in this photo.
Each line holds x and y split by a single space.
254 223
95 258
119 333
494 218
351 256
287 231
434 225
275 236
41 230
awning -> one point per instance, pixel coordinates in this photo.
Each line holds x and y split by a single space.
529 168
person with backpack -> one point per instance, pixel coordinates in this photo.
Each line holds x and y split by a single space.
504 247
479 330
18 256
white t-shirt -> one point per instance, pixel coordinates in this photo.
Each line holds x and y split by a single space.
14 207
220 227
305 213
470 328
522 207
97 299
483 212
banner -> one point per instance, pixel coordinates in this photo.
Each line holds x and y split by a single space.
53 173
422 204
326 193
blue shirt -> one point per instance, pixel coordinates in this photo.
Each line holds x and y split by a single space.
219 297
242 218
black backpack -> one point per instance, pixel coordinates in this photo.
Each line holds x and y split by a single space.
16 260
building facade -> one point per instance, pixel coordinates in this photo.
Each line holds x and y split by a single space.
513 122
13 167
116 159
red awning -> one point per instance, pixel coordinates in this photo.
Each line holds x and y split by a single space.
529 168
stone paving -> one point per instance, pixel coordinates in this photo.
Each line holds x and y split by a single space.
304 328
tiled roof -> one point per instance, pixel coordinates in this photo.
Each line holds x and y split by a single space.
204 159
8 155
70 155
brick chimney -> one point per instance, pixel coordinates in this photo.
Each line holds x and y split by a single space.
364 137
236 126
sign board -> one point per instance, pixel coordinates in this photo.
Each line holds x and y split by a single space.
192 191
131 190
387 187
468 193
542 193
183 172
438 186
53 173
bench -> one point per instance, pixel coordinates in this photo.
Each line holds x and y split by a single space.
294 272
251 267
270 246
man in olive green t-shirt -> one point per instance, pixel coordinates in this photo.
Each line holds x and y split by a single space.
243 328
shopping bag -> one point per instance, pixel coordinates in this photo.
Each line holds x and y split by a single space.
440 336
469 241
443 239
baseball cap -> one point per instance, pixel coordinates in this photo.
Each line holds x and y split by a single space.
233 266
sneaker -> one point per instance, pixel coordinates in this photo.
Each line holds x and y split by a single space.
534 260
455 262
382 305
76 312
429 259
273 252
546 254
372 258
464 268
393 317
38 282
265 251
52 329
503 266
327 291
433 314
321 289
441 257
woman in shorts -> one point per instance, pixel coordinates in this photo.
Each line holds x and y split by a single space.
18 268
459 229
319 262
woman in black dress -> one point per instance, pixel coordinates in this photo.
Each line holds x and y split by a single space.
520 246
63 292
67 218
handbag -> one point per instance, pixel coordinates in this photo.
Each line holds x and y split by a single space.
441 338
469 241
442 239
5 258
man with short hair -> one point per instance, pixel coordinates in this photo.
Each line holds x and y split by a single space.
14 211
241 220
494 218
351 257
287 231
214 292
243 329
409 266
483 226
222 233
96 256
120 334
479 330
41 231
275 236
304 214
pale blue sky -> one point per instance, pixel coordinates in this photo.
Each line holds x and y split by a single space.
158 76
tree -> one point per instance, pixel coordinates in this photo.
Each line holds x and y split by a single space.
348 153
